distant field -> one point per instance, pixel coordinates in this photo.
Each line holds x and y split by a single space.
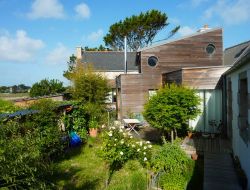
12 96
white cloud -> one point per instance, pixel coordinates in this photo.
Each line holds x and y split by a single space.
82 10
19 48
59 55
46 9
186 30
95 36
231 12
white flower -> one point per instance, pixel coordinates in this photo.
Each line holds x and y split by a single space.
131 137
147 142
112 127
115 139
114 144
141 143
103 126
122 127
110 134
120 130
144 153
138 150
150 146
122 141
121 153
145 147
145 159
133 145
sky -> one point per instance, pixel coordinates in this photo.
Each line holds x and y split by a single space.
38 36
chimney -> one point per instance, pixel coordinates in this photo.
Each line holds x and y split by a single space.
204 28
125 55
79 52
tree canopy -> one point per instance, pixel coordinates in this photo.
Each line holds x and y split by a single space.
172 107
139 29
46 87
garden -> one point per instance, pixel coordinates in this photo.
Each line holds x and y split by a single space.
53 149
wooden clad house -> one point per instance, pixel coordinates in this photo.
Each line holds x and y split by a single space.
195 61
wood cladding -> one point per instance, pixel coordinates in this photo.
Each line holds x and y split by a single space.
184 53
198 78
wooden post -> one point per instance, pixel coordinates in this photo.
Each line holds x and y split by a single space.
172 136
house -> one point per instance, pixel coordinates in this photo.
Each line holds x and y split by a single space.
238 102
195 60
110 64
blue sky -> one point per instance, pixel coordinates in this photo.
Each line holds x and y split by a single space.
38 36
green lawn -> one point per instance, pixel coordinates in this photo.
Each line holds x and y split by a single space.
81 169
9 96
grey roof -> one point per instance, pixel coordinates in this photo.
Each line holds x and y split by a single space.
232 54
243 59
110 60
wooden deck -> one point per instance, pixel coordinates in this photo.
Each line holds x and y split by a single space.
219 173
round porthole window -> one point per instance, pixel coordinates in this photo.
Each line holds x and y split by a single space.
210 49
152 61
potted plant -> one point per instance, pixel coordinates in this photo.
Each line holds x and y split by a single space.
93 127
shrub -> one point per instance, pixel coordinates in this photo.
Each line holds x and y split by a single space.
119 146
132 176
171 107
173 167
22 164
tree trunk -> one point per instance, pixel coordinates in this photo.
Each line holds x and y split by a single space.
176 135
172 136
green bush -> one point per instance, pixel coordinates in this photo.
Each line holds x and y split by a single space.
119 146
132 176
173 167
171 107
28 147
22 163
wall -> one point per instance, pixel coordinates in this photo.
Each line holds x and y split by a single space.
240 148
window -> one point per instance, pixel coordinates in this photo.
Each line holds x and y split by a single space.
152 61
210 49
151 92
243 106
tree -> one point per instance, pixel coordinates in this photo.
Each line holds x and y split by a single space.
46 87
140 30
89 86
171 108
71 66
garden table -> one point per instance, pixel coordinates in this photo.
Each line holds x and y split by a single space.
132 123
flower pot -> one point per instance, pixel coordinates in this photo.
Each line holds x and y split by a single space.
93 132
194 156
190 134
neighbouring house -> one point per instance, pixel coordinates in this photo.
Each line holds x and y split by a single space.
110 64
238 102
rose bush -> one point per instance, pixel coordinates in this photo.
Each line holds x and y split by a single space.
119 146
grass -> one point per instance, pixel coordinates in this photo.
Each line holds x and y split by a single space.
81 169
